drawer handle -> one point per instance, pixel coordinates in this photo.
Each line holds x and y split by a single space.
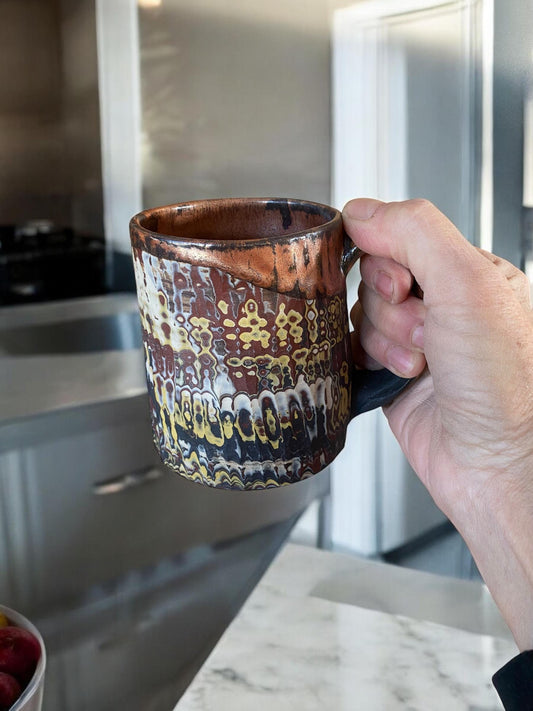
127 481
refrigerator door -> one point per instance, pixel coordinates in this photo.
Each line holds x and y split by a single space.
408 104
512 73
410 92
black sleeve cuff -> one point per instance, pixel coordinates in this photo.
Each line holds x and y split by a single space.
514 683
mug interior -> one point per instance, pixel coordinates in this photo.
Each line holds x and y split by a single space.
235 219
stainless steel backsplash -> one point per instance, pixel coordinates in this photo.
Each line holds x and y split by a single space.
49 115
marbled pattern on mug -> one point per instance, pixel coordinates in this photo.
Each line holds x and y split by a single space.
248 388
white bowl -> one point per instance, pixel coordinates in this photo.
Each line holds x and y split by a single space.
31 698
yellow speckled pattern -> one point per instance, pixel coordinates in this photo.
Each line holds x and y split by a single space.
248 388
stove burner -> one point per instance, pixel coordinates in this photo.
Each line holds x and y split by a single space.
40 261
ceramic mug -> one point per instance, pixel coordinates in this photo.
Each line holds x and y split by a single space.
246 335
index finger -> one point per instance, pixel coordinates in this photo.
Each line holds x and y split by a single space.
386 277
418 236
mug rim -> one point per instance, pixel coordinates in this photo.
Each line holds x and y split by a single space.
137 221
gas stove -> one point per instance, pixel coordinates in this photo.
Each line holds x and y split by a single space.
41 261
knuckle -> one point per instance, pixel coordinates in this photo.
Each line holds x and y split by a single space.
522 280
422 209
422 205
524 287
419 213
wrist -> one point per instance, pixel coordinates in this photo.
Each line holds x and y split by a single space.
497 526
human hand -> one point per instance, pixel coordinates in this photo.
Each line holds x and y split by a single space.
466 424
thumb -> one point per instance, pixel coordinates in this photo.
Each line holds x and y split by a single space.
417 235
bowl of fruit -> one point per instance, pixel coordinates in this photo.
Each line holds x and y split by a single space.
22 663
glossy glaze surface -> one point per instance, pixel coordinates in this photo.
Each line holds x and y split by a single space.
246 340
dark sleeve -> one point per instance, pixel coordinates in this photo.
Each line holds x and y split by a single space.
514 683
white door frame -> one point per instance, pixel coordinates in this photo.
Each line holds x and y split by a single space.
117 32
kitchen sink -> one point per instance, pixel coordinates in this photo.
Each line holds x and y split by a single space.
118 331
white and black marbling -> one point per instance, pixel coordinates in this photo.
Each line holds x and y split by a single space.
288 650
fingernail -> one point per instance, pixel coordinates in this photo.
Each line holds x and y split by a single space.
383 283
361 208
417 337
400 359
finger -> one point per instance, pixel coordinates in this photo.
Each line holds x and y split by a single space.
360 356
404 362
386 277
515 277
418 236
373 350
401 323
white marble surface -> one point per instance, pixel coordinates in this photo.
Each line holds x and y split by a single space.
292 648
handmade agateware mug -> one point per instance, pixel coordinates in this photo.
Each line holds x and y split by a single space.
245 324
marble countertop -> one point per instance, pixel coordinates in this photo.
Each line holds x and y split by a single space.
327 631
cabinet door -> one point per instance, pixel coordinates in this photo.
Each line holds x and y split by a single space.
80 509
87 507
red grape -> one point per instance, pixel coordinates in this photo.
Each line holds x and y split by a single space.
19 652
10 690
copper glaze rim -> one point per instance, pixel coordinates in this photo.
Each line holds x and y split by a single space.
136 222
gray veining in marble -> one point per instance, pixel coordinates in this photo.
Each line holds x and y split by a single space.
288 650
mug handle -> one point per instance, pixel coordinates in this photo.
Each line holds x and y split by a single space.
370 388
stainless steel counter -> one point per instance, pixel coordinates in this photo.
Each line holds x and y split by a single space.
43 371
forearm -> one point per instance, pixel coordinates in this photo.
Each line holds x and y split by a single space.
499 534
